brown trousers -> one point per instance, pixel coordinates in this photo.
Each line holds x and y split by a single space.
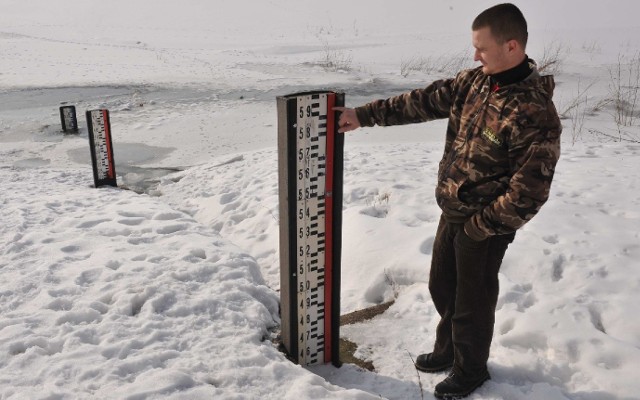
464 287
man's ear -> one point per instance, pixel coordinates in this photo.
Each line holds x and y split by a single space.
512 45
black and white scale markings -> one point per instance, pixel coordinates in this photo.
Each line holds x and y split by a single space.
310 169
99 128
311 211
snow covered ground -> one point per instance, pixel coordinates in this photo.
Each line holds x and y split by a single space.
173 293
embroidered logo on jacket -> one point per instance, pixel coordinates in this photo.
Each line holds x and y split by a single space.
491 136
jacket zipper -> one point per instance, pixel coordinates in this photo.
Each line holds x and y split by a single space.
454 151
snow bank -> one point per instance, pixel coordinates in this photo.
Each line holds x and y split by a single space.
109 294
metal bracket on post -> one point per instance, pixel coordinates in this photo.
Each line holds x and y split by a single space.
310 170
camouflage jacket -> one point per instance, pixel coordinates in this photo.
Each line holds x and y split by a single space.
501 148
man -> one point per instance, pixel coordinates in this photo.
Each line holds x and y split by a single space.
502 145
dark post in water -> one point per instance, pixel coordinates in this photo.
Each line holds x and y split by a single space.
68 119
99 127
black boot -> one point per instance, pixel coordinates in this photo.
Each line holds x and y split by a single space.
456 386
428 363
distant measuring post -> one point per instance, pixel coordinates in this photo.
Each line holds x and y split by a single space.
310 163
68 119
99 127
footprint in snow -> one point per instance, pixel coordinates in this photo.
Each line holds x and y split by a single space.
91 224
132 221
427 246
169 229
558 268
228 197
520 295
167 216
88 277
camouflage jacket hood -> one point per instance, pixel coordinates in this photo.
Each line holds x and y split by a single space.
501 146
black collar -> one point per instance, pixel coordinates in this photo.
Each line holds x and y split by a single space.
513 75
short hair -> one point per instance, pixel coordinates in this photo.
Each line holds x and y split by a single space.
506 23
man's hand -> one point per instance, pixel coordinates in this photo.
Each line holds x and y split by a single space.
348 119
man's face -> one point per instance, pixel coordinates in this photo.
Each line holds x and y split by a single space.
492 55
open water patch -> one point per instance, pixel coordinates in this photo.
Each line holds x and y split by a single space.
129 159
